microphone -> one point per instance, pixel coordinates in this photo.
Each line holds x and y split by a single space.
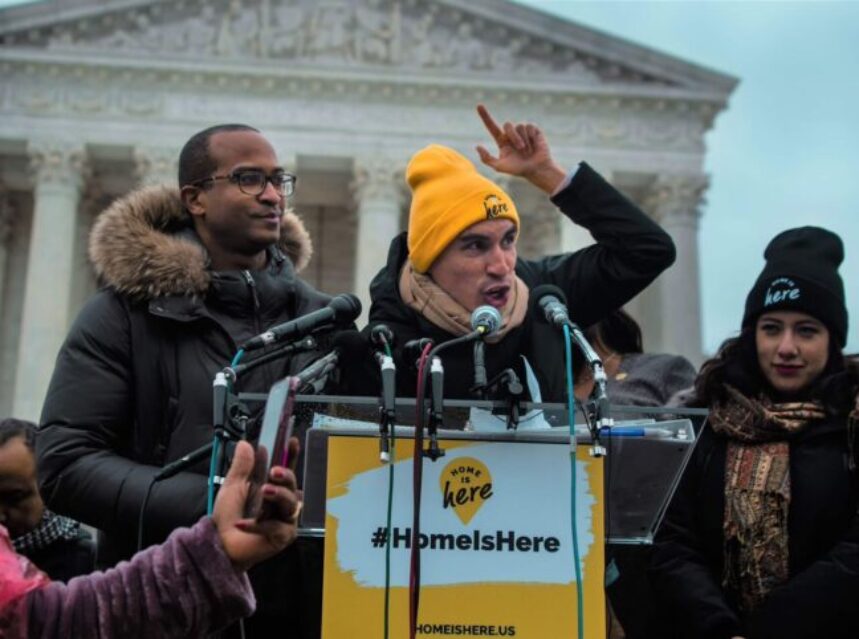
552 303
485 320
346 345
437 412
414 347
219 400
341 311
381 336
318 369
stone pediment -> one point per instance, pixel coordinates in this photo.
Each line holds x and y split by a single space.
492 39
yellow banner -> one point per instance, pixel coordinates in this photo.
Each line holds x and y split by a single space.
496 541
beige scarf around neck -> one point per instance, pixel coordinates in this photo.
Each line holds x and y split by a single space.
422 294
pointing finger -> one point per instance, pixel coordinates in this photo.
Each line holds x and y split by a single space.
490 124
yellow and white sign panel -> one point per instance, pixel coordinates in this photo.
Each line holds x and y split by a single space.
496 541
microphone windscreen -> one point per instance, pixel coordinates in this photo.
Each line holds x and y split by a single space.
346 307
381 335
545 290
487 317
351 344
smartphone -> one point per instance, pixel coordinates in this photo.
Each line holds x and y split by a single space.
273 442
277 423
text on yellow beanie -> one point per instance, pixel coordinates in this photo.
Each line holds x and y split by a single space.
448 196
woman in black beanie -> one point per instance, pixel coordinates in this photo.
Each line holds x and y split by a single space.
762 536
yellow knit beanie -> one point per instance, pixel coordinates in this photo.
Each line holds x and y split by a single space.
448 196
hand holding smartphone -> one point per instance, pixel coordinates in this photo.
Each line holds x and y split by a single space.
273 446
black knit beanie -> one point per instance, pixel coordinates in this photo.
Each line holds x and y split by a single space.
801 274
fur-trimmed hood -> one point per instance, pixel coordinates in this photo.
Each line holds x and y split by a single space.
135 246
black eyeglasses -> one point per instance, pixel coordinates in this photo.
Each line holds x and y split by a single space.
253 182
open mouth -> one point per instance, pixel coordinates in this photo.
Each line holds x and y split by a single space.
496 296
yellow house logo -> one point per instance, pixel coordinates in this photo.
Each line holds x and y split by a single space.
466 484
493 206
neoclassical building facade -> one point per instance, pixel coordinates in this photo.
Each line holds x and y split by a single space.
97 97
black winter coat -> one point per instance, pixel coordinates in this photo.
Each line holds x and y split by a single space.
132 388
821 598
630 252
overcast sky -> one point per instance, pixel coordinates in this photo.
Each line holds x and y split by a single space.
785 153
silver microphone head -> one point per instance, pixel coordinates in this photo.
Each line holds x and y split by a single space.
486 319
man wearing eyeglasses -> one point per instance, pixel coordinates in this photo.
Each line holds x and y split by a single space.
189 274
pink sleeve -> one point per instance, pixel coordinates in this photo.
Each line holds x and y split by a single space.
183 587
18 576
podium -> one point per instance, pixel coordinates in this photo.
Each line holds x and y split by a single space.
496 531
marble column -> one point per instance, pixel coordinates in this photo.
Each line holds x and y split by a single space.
675 200
156 165
6 227
59 172
379 196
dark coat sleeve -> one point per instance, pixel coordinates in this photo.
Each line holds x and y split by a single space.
631 250
690 598
185 587
86 434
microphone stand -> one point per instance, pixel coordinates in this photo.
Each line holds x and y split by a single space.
436 412
599 398
479 388
308 343
387 407
314 377
506 384
222 400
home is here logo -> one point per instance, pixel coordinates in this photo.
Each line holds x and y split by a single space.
466 485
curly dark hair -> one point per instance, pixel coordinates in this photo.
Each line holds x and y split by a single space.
11 428
736 363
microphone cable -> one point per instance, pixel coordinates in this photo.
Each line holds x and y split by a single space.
216 444
142 514
213 467
427 355
571 403
417 480
390 508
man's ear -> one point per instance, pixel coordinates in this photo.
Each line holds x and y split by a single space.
193 199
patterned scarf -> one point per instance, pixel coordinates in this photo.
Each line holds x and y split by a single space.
422 294
757 490
51 528
18 576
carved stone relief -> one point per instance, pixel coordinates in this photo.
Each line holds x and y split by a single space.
155 165
677 198
59 163
378 178
377 33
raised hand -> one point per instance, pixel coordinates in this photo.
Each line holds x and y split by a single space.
522 151
249 541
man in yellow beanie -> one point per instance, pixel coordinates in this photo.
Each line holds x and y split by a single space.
460 253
